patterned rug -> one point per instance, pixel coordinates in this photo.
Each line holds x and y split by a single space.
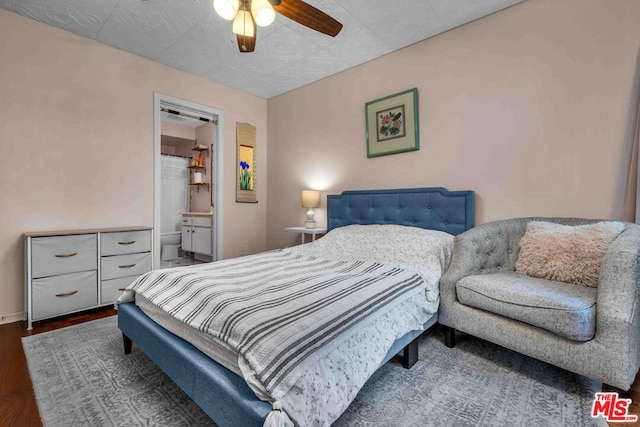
81 377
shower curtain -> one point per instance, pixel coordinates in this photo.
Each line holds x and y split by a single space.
174 195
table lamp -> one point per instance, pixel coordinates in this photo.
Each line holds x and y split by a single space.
310 200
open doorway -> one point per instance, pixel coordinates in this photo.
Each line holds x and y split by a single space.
188 148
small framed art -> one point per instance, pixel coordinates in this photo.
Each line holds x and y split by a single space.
246 184
392 124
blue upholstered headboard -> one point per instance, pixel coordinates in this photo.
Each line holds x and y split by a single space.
434 208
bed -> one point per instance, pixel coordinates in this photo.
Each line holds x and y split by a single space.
229 393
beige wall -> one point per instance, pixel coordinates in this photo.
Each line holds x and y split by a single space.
527 107
76 142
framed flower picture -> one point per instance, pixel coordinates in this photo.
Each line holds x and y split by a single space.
392 124
246 163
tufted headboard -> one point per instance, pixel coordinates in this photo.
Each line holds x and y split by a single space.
435 208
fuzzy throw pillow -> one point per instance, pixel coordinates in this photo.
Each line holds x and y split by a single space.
566 253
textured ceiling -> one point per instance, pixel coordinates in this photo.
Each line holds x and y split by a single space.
190 36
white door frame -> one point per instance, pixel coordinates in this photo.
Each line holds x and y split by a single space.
218 184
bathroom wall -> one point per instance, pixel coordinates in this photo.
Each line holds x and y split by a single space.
201 197
179 140
179 131
176 146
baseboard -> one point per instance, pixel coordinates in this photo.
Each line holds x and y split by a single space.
10 318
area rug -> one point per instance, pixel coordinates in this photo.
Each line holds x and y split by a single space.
81 377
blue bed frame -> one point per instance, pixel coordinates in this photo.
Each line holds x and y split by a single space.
224 396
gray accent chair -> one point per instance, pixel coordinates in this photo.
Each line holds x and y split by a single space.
593 332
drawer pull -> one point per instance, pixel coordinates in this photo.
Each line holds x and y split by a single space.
70 254
121 289
66 294
126 266
128 242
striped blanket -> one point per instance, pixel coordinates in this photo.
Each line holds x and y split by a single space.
281 310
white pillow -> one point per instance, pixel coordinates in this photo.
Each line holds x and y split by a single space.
395 244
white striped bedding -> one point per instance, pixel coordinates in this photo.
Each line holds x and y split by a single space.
285 311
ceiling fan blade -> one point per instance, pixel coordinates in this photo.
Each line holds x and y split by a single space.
309 16
247 44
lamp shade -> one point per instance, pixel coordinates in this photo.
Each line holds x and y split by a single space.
262 12
310 198
227 9
243 23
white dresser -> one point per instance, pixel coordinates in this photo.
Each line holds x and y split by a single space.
73 270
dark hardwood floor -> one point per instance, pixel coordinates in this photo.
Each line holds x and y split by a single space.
634 394
18 404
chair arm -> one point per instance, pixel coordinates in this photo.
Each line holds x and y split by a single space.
617 317
618 287
488 248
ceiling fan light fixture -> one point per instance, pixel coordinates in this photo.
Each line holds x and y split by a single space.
262 12
227 9
243 23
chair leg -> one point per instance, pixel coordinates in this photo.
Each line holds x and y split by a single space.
410 354
449 337
606 388
127 344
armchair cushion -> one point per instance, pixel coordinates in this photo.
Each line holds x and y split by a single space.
568 311
566 253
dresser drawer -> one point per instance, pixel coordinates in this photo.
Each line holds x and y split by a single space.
125 265
202 221
63 254
56 295
110 290
125 242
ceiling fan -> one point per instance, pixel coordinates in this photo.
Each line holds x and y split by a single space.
247 15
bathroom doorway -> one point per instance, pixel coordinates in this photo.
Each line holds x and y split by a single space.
188 179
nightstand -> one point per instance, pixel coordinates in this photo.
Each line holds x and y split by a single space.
304 231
